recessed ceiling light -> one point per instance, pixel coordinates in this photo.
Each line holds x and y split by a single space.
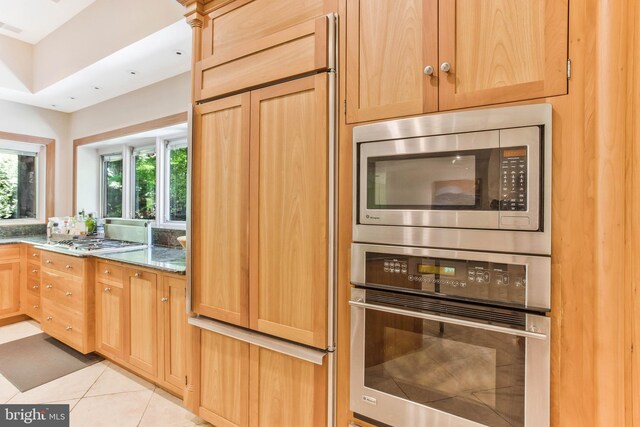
73 98
178 52
5 26
54 105
132 72
97 87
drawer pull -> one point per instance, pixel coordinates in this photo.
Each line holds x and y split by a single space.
68 328
107 272
68 293
165 299
137 274
67 266
35 270
35 287
34 254
36 306
49 318
49 286
107 289
48 261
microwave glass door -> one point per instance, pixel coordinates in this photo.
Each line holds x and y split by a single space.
455 181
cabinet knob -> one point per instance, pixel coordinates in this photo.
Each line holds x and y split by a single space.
137 274
48 261
36 306
107 289
68 328
35 270
164 299
49 318
107 272
428 70
68 294
445 67
34 254
67 266
49 286
34 287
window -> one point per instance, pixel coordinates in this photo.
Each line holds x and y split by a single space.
19 176
112 179
176 160
144 183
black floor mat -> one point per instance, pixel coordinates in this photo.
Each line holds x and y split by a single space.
39 359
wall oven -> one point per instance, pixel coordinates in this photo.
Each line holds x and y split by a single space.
449 338
474 180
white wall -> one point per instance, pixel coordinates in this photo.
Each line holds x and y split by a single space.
28 120
158 100
16 58
88 191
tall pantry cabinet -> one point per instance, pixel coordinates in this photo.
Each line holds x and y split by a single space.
261 219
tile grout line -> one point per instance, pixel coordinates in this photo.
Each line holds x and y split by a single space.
89 388
147 406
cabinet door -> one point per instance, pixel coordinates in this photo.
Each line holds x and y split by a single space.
502 50
289 143
141 316
174 330
9 287
220 219
389 44
224 380
109 319
286 391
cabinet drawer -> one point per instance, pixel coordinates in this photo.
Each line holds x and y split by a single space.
8 252
33 254
65 325
33 271
33 285
32 306
66 291
109 272
63 263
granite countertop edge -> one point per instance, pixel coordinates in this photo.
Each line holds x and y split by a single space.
154 257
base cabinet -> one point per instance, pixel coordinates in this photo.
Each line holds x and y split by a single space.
246 385
141 322
9 280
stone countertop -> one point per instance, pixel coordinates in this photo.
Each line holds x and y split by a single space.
157 257
38 239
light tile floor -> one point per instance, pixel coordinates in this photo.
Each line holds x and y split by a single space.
101 395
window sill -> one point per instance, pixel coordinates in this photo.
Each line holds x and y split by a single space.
172 226
11 222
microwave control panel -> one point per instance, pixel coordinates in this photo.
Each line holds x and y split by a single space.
468 279
513 179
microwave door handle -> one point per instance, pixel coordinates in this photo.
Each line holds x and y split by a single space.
452 321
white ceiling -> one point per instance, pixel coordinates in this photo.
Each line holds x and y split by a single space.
156 49
35 19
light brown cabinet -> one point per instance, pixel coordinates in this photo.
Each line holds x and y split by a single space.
31 304
9 284
67 299
283 390
260 210
419 56
141 322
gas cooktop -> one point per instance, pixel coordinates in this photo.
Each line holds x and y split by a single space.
95 245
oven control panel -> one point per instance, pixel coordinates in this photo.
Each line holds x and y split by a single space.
468 279
513 179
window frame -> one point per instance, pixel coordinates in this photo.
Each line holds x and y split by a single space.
39 151
147 148
103 183
164 181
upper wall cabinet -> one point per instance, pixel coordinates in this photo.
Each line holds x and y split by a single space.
242 50
419 56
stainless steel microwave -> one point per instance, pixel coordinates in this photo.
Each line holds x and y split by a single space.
460 180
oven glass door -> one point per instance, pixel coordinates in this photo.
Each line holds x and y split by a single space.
408 370
455 181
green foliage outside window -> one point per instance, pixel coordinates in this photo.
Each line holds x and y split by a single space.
8 185
178 184
145 186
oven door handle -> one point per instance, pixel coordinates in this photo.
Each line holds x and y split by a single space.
460 322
